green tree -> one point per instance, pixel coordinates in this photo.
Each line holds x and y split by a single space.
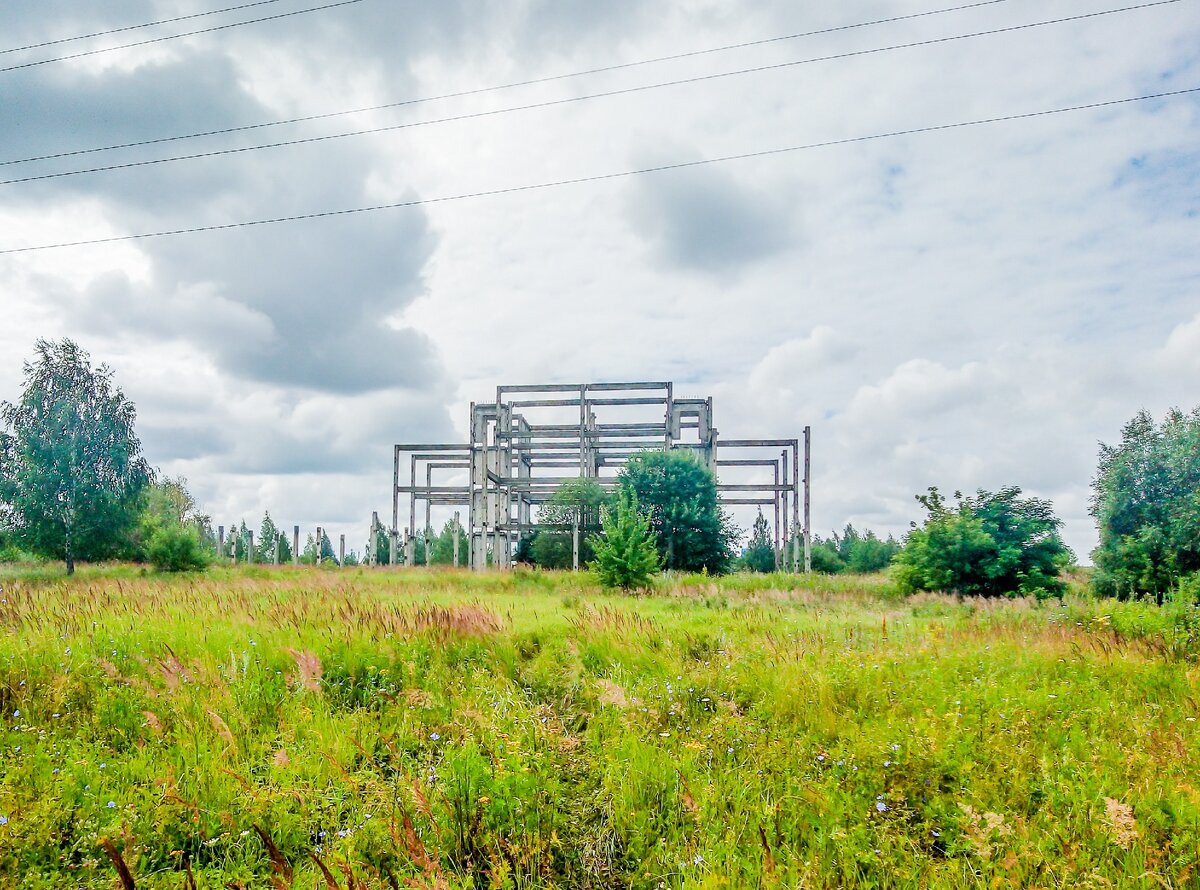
268 534
679 495
71 468
1146 502
575 501
760 552
443 544
625 554
993 544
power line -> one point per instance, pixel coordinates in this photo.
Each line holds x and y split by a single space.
507 86
554 102
601 177
178 18
109 49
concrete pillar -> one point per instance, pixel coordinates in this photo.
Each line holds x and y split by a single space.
575 544
249 547
342 550
807 516
295 545
277 549
457 535
393 546
320 543
220 542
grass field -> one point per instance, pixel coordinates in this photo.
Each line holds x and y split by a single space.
308 728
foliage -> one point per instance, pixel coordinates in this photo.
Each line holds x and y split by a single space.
575 501
679 495
1146 502
994 544
625 555
759 555
173 547
516 729
852 551
443 545
268 534
71 470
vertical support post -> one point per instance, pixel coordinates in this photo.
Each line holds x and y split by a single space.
457 535
320 543
807 517
775 497
295 545
277 552
373 540
395 498
410 544
249 546
428 523
342 551
796 532
393 545
410 547
575 544
220 542
788 557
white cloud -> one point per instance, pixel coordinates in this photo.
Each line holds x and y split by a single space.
974 307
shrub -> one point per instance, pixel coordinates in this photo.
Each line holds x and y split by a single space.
994 544
625 556
176 548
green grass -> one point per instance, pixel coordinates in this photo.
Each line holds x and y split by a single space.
443 729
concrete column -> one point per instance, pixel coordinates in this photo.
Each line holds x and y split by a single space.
457 535
393 546
807 516
249 547
220 542
342 550
320 543
295 545
575 544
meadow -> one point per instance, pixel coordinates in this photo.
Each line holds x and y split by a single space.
359 728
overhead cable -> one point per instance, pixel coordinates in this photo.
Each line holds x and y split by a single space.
308 140
178 18
505 86
109 49
600 177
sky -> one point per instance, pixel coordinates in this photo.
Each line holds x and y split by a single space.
969 307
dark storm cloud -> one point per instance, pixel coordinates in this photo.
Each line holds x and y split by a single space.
704 220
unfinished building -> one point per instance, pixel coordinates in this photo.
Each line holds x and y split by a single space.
534 438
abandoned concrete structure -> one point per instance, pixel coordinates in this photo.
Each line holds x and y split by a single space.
533 438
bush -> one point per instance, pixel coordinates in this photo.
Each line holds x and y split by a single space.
176 548
990 545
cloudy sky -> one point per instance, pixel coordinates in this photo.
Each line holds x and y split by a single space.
968 307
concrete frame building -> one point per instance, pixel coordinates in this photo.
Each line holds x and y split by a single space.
534 438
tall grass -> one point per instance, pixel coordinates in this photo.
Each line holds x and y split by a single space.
308 728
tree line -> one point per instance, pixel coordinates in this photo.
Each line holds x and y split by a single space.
75 486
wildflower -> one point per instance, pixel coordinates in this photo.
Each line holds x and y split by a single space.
821 757
887 763
881 807
698 860
56 715
3 819
112 805
54 772
103 765
17 713
895 747
434 736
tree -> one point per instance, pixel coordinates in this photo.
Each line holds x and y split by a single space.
679 494
760 552
71 468
994 544
1146 502
625 554
268 534
575 501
